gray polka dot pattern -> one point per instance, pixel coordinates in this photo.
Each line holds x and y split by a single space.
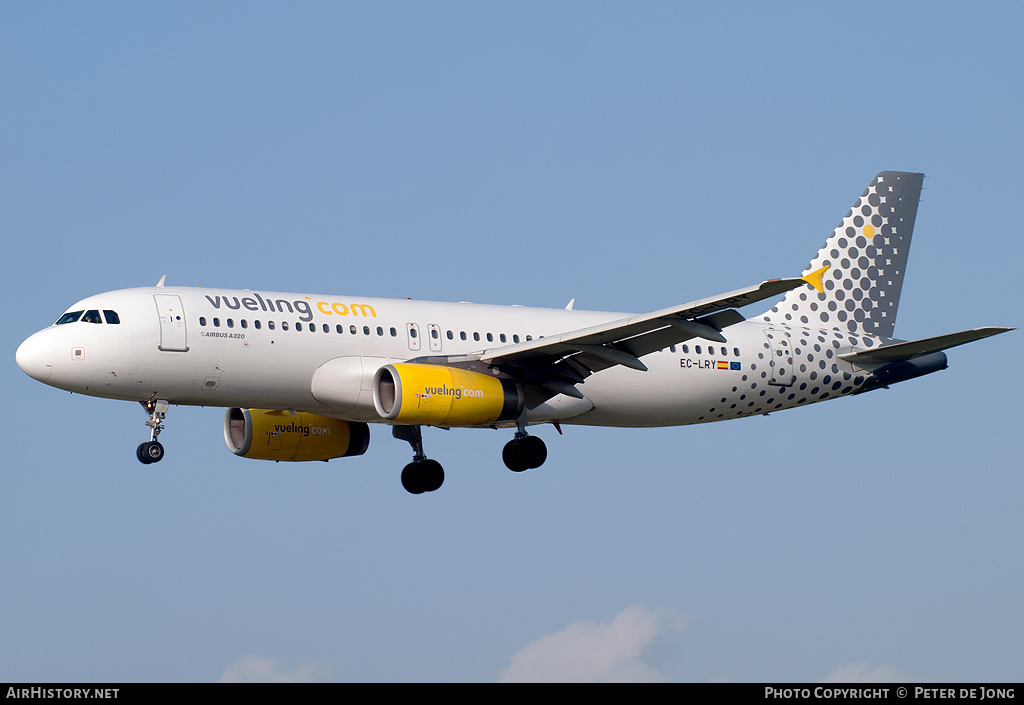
867 254
793 367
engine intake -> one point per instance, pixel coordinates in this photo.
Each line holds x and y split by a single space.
267 434
436 395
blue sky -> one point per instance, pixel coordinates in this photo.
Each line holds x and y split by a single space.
630 156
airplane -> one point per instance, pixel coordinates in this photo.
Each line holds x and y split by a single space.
302 376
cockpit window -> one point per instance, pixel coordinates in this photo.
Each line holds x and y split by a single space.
92 316
111 316
69 317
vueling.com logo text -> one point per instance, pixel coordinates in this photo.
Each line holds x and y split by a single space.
301 429
303 308
457 392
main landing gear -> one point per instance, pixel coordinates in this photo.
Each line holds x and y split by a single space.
524 452
422 474
152 451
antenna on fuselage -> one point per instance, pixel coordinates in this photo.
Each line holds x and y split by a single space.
570 304
161 282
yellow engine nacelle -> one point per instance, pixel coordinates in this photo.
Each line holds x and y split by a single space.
266 434
435 395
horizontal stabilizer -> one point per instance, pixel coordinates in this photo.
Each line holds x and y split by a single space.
916 348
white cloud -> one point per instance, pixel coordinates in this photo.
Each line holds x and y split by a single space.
597 652
259 669
863 673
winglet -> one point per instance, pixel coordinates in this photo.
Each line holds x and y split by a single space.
814 278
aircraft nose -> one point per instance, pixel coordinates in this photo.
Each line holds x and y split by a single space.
35 356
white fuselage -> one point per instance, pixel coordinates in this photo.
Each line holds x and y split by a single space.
234 348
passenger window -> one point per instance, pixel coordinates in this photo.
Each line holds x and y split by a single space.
216 323
68 318
256 324
202 321
111 317
462 334
394 333
298 326
736 352
380 331
284 325
476 336
231 323
433 333
515 338
244 323
270 325
686 349
502 337
340 328
366 330
352 330
490 338
412 333
91 317
697 348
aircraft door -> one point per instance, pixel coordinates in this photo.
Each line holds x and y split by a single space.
435 337
172 323
783 372
413 332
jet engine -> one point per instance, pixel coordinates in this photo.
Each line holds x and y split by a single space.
267 434
435 395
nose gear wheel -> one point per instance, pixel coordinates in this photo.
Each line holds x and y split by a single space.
152 451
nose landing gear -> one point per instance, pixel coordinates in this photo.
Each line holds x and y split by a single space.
152 451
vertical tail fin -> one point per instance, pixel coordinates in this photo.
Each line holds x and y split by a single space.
867 256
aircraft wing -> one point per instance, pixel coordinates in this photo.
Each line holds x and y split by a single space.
916 348
559 362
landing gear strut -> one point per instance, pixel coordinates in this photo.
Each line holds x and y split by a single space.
422 474
152 451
